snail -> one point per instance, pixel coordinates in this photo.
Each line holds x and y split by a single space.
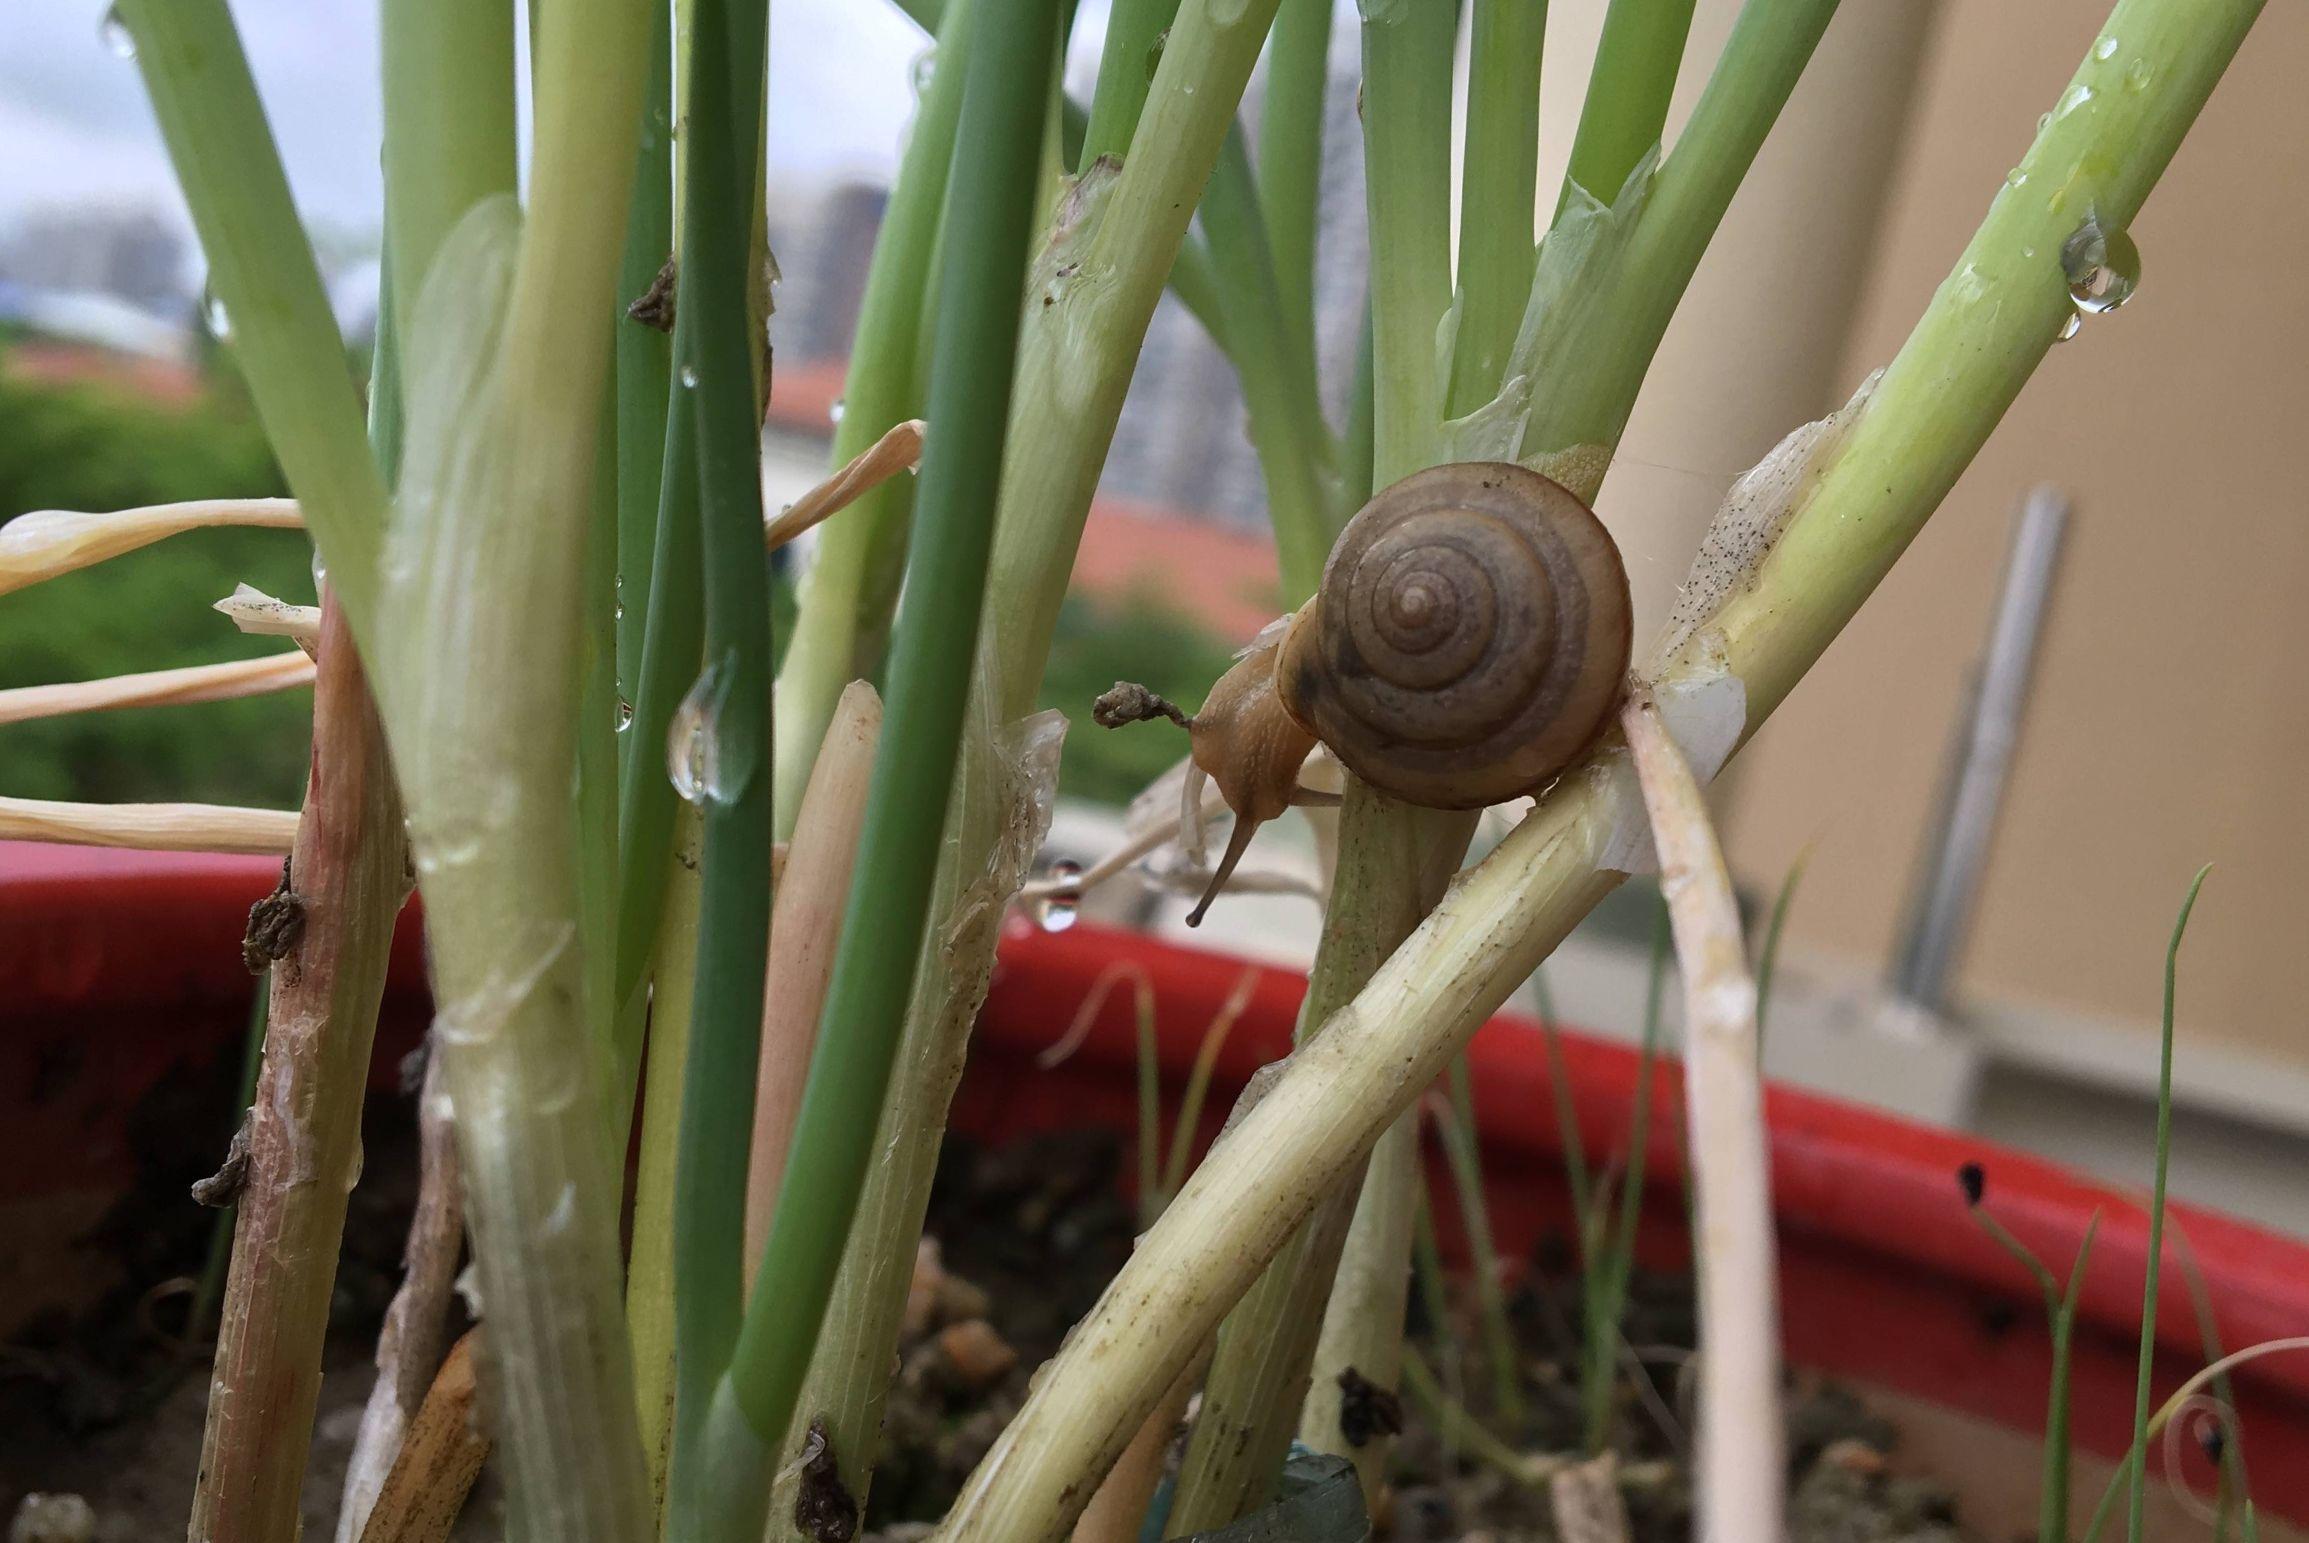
1469 640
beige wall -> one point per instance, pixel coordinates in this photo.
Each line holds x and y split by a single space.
2170 723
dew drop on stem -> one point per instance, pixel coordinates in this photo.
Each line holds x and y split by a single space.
689 376
1055 912
118 40
214 317
2103 268
704 758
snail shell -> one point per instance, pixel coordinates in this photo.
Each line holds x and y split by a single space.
1470 637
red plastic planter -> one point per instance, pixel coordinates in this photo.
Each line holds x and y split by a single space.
120 967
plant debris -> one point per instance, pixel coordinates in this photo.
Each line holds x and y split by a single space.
275 924
824 1508
223 1187
1366 1409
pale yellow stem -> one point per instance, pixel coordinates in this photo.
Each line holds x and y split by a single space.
805 926
48 543
155 827
898 450
159 688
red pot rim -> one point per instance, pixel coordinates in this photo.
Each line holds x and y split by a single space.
1884 1277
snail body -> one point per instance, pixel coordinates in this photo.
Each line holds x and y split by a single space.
1469 640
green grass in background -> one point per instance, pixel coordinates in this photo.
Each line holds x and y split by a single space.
1099 643
97 447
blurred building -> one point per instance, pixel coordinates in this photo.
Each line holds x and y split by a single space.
130 254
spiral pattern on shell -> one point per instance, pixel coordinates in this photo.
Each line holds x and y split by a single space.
1469 640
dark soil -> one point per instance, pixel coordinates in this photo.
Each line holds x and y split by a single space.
110 1408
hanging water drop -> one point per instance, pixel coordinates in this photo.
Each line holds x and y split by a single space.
692 739
2103 268
2068 328
118 40
624 715
689 376
2016 178
708 757
320 575
1057 911
2043 122
214 317
834 413
925 66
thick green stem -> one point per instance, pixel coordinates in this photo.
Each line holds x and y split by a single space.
853 580
644 365
1291 160
1499 174
261 269
1628 92
1982 335
449 136
1407 161
1258 1391
1134 31
997 146
723 762
1101 271
1259 1373
1296 457
1618 325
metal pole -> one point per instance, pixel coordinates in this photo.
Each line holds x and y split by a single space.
1948 883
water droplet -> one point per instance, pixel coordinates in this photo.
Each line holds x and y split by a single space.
2016 178
2068 328
2103 268
118 40
2028 251
925 66
1056 912
2078 95
703 760
320 573
2043 122
624 715
2106 48
2138 73
689 376
214 316
834 413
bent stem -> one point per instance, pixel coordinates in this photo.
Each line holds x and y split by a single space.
1742 1446
1971 351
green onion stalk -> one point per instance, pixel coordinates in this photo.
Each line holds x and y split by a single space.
1259 1375
852 583
1876 475
478 682
719 750
1090 294
998 145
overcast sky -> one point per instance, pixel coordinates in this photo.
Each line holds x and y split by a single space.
75 126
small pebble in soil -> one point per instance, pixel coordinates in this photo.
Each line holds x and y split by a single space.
53 1519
